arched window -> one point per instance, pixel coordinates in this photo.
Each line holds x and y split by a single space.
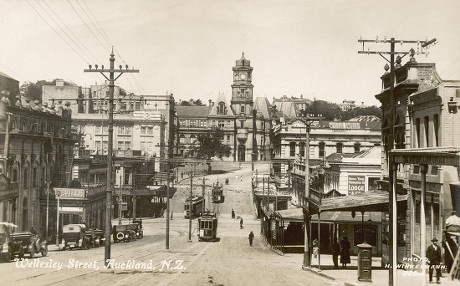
221 108
25 177
192 138
242 108
181 139
34 177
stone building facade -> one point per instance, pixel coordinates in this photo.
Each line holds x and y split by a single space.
36 147
245 121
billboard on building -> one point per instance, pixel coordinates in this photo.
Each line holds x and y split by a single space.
356 184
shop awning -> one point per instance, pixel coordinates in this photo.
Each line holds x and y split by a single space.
292 215
368 201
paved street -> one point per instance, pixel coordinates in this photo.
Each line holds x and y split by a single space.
228 261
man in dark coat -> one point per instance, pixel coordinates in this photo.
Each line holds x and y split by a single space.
433 253
335 253
345 251
251 238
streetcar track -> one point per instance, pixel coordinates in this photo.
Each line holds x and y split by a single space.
181 233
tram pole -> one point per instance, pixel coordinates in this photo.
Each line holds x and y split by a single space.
190 211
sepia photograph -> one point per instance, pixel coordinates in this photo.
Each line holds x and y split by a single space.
229 142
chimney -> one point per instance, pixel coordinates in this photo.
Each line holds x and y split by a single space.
210 102
59 82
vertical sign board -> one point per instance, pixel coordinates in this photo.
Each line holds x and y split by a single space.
356 184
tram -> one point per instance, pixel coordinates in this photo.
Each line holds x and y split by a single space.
198 207
207 227
218 193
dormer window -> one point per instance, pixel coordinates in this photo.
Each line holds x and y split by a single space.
221 108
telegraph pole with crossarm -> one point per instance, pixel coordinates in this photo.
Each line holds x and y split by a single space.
392 176
109 186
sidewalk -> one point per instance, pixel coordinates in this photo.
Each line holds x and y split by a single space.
380 276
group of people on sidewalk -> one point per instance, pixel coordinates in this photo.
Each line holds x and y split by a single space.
342 249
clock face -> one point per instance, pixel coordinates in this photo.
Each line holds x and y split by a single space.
243 76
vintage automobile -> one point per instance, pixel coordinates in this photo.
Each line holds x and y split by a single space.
139 231
75 235
6 229
22 243
124 232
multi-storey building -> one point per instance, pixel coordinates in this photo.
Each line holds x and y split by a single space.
325 138
425 120
36 147
246 122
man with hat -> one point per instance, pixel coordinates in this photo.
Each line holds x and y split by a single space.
433 253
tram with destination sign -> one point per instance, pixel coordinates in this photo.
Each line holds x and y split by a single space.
207 227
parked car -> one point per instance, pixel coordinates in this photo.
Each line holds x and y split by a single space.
75 235
139 231
6 229
123 232
22 243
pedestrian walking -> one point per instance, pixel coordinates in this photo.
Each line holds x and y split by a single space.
433 253
241 223
251 238
315 248
344 251
335 253
233 213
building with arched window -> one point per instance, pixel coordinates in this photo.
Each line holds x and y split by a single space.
36 152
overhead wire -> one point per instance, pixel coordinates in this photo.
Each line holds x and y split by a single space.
60 27
93 57
86 60
107 39
91 30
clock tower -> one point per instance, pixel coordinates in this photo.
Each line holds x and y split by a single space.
242 94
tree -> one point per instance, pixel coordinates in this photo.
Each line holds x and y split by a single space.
371 110
210 145
324 109
192 102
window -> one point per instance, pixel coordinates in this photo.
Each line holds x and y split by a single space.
128 145
137 106
302 149
34 177
105 130
242 123
98 145
357 147
339 147
193 123
121 145
181 139
143 130
143 145
14 175
221 108
104 145
150 130
228 138
292 149
25 180
322 146
417 130
242 108
127 176
127 130
221 124
426 121
192 138
121 130
436 129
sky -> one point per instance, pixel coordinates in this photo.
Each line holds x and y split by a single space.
188 48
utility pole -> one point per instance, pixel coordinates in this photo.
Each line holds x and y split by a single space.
109 184
120 199
168 163
190 211
306 199
389 114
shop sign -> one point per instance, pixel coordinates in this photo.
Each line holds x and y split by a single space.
70 193
356 184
